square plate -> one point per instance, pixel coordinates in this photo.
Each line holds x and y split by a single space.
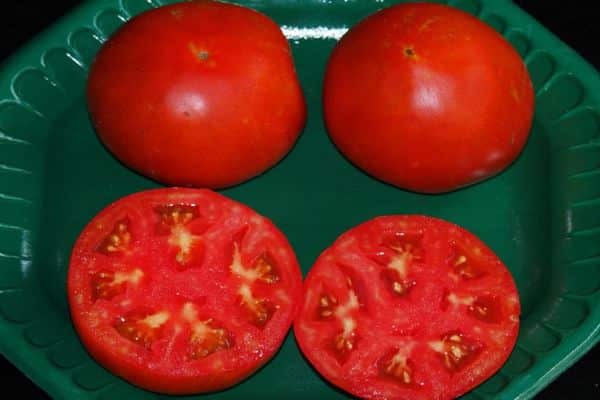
541 216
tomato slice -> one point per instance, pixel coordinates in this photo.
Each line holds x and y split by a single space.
182 290
408 307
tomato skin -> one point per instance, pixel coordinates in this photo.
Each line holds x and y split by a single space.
427 98
181 96
436 341
171 357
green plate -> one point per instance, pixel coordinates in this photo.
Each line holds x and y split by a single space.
542 215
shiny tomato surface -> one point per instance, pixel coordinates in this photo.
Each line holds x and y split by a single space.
182 290
408 307
427 98
199 93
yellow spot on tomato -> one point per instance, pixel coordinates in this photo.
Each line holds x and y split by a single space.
515 94
201 53
428 23
177 13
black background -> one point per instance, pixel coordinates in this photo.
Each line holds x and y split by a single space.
574 23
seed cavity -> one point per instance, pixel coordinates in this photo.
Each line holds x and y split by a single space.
396 365
118 240
327 305
260 310
207 336
263 269
455 350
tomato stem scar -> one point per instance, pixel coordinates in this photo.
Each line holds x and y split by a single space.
410 52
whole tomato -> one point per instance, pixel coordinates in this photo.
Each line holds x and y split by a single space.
199 93
427 98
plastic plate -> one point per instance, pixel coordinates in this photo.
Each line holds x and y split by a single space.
542 215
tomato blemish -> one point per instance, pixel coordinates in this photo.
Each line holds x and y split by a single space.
200 53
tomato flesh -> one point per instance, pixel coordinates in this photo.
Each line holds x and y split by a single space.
427 98
154 312
387 314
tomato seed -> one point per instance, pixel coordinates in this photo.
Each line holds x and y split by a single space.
175 215
456 351
117 241
394 364
486 309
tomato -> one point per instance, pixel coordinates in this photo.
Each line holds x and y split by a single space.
199 93
427 98
408 307
182 290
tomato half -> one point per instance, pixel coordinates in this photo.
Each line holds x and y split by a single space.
199 93
182 290
427 98
408 307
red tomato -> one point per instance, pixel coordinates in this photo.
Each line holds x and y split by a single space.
182 290
427 98
198 93
408 307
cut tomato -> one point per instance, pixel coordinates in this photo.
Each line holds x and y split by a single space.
408 307
182 290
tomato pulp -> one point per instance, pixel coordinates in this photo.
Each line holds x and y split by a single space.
427 98
408 307
182 290
199 93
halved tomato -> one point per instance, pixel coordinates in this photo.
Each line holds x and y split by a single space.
182 290
408 307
